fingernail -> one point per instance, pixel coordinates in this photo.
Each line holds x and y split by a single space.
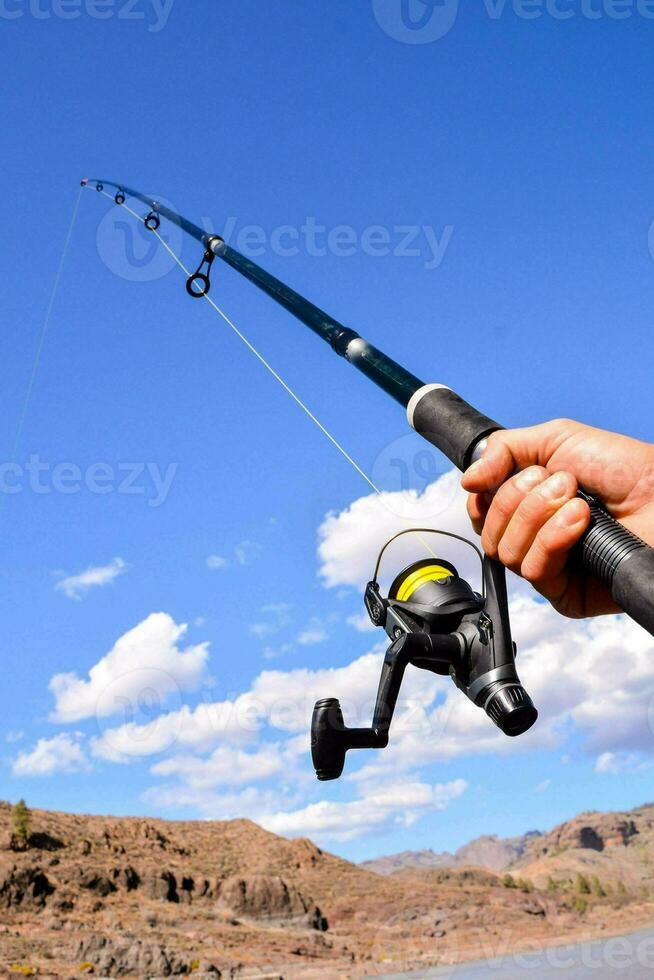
569 514
529 478
556 486
474 468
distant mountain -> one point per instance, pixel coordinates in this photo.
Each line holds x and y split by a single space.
489 851
422 860
495 853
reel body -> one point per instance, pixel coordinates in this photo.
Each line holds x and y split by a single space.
435 622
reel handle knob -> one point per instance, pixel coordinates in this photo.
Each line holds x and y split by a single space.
328 747
331 738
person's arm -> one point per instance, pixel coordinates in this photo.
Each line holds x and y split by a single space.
522 500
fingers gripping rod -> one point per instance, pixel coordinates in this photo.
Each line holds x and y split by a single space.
607 551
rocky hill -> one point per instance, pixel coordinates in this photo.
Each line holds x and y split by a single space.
489 851
617 848
148 898
425 860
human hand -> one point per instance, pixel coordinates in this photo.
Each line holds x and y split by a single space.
523 503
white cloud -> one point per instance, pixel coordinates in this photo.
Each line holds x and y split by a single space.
313 634
147 657
246 552
75 586
620 763
249 802
62 753
544 786
280 809
361 622
14 736
398 803
225 766
278 615
216 563
272 653
235 722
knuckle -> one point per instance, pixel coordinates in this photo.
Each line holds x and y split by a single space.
488 544
533 570
508 556
504 503
532 510
563 426
496 438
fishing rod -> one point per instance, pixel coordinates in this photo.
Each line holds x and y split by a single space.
433 620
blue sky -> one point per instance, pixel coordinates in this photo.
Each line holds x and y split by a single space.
510 155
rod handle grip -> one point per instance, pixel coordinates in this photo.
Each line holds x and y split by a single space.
448 422
621 561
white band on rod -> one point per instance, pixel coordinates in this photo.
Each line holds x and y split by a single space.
417 397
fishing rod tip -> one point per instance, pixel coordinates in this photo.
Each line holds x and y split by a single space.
84 181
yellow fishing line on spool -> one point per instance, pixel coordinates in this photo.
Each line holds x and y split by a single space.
428 573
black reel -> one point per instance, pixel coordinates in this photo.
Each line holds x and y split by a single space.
438 623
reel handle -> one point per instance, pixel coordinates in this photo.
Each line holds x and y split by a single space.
608 551
331 739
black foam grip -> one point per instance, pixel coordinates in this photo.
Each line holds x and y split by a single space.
452 425
622 562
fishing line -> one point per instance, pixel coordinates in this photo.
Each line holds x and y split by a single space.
44 331
262 360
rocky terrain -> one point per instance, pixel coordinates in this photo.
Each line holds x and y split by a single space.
129 897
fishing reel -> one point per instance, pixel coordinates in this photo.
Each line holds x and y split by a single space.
438 623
